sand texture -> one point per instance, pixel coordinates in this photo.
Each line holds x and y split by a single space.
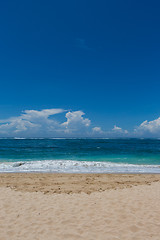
79 206
50 183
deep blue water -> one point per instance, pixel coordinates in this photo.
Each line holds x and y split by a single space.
66 154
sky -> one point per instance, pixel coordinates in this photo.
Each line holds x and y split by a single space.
79 68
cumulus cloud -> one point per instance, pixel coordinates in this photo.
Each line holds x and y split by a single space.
43 123
33 114
97 130
30 122
75 121
150 128
117 129
16 125
46 123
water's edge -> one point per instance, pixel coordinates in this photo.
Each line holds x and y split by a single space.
80 155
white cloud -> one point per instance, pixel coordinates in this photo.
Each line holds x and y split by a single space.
33 114
30 122
43 123
117 129
149 127
75 121
126 131
17 125
97 130
46 123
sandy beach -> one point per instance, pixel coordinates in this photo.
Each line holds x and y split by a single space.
79 206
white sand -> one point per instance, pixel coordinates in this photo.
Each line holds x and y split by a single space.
129 213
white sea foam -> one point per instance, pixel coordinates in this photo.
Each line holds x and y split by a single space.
18 138
68 166
35 138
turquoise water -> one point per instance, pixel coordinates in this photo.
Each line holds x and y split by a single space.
80 155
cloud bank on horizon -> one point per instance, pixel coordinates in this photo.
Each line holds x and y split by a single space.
43 123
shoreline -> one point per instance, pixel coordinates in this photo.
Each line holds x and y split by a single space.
70 166
57 183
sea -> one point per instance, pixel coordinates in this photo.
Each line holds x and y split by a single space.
77 155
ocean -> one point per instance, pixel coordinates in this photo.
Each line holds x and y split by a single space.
80 155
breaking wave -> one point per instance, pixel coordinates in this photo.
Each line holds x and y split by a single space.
69 166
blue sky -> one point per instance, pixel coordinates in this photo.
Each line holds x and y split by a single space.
100 58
